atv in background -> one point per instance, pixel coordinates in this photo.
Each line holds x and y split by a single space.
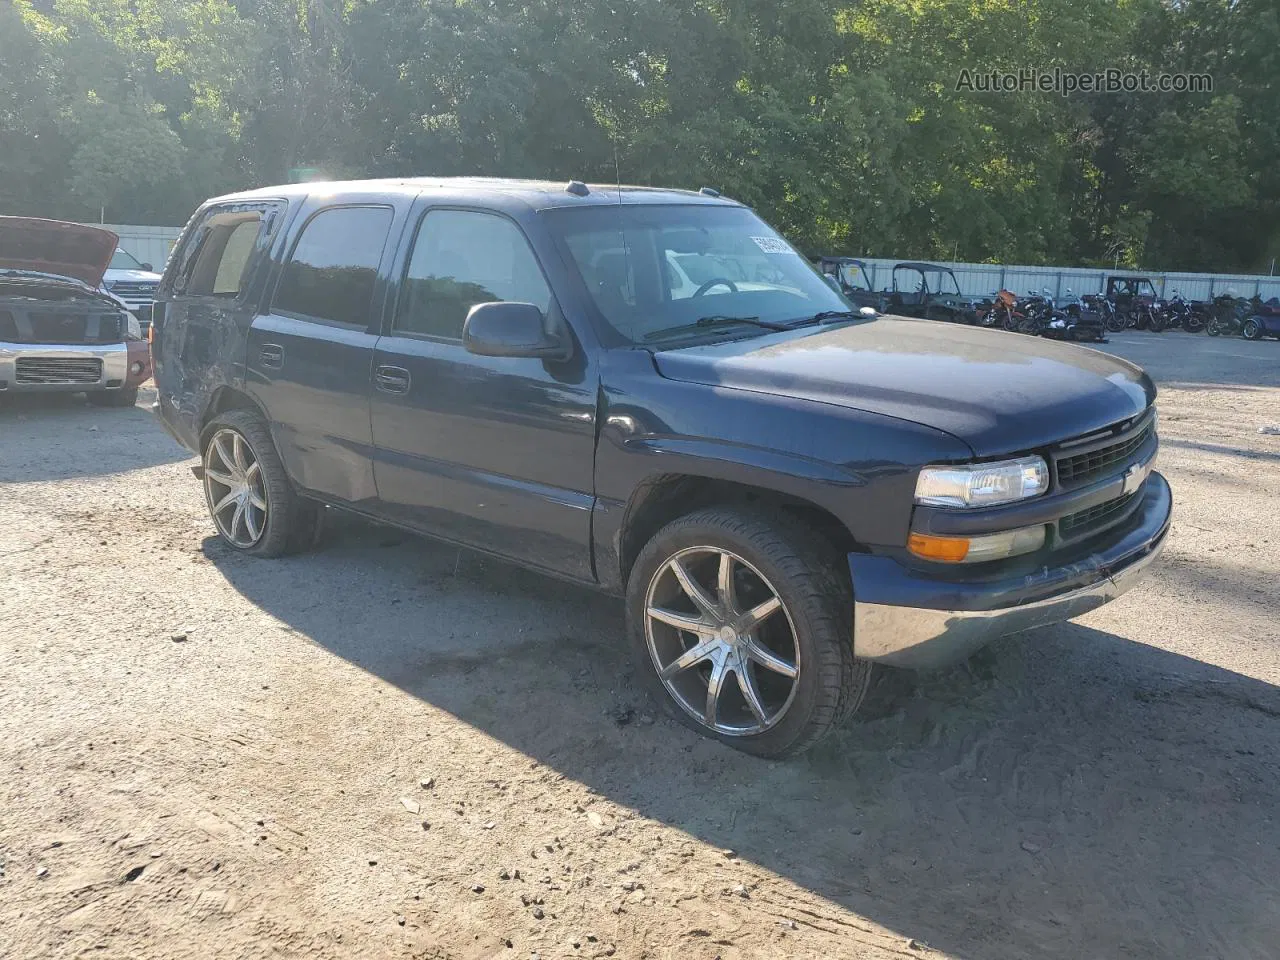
930 291
851 276
1134 300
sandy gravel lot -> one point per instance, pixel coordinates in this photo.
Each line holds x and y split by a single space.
386 748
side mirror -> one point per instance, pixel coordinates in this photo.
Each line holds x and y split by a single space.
510 329
148 268
869 312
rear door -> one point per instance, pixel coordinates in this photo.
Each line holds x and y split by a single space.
494 452
206 301
311 349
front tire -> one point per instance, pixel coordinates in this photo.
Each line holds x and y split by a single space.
742 629
251 501
1252 329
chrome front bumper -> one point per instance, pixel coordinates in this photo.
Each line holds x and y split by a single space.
930 624
114 357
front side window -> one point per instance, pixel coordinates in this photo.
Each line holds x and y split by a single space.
461 258
334 266
654 271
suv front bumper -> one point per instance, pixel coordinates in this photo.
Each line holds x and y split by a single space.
906 618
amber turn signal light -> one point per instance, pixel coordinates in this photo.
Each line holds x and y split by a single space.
945 549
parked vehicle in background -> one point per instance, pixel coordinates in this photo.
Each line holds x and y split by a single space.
784 490
930 291
1175 313
1132 298
1072 319
1263 320
59 332
854 282
133 282
1227 314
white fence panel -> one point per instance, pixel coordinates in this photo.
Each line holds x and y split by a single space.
979 279
149 244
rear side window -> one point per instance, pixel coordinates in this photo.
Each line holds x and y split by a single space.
461 258
226 244
334 266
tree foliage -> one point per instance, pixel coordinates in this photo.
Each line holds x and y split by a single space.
841 121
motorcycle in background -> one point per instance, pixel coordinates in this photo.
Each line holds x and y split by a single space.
1176 312
1227 314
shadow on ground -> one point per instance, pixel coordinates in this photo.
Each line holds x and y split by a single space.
122 439
1069 793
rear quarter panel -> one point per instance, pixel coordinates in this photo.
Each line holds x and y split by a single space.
200 342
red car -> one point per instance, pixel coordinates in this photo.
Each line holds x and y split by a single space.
59 331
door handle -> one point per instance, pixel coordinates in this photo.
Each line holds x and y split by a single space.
271 355
392 379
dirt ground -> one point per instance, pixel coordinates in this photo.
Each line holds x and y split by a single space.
386 748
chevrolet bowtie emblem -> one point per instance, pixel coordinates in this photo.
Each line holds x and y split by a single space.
1133 478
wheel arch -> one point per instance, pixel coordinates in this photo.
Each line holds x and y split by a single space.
226 398
667 497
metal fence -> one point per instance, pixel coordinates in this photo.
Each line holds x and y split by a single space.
980 279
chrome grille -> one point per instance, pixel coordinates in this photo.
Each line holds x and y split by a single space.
135 289
36 370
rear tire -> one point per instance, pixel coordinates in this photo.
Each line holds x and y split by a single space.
114 398
809 631
250 498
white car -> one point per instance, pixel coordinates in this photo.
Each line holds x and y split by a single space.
133 283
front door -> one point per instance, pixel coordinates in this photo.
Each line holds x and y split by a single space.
311 351
494 452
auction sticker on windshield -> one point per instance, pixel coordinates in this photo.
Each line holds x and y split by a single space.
772 245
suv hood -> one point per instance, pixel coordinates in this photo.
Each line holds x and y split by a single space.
1001 393
56 247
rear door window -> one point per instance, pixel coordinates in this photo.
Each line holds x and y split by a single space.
331 274
218 266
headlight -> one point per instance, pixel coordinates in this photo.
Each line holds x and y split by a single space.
983 484
133 328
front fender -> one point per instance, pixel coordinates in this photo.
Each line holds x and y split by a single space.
860 467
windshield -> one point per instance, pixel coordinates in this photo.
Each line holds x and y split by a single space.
123 261
654 270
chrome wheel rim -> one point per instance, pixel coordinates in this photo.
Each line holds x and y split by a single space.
722 641
234 488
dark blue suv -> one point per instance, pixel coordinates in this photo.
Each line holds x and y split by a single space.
650 392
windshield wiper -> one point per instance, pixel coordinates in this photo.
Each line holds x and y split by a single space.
716 320
826 316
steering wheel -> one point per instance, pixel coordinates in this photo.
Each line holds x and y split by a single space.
715 282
